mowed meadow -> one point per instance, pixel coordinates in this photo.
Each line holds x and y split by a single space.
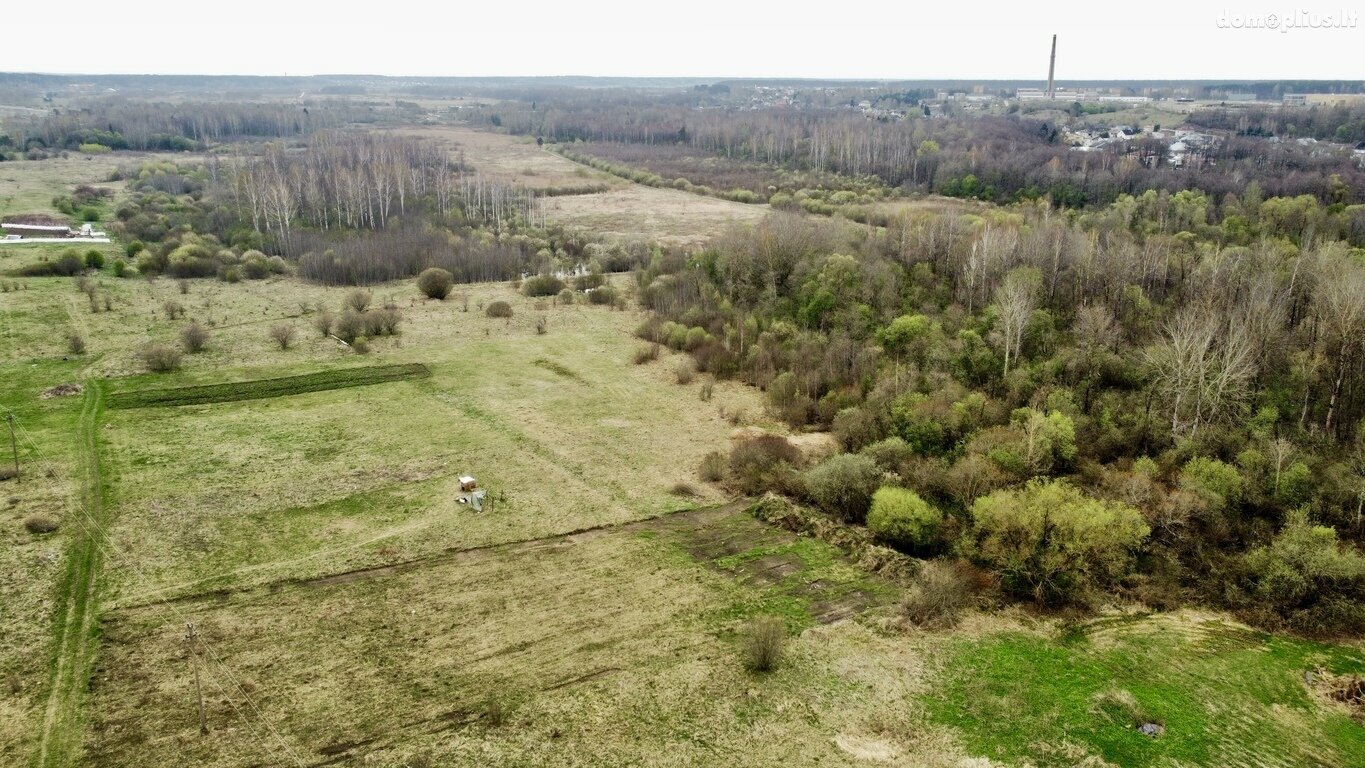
299 508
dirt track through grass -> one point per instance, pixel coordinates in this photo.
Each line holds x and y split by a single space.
78 595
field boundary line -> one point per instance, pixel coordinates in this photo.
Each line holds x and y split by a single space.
450 554
259 389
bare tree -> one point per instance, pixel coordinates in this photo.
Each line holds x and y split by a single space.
1015 299
1202 367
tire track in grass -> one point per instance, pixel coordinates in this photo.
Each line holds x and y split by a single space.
76 620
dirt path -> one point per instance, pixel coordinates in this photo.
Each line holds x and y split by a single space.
77 622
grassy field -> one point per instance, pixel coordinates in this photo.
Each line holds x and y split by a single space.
301 508
607 205
28 186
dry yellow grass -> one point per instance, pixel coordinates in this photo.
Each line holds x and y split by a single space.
606 649
514 159
639 212
623 210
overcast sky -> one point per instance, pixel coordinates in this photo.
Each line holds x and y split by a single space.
704 38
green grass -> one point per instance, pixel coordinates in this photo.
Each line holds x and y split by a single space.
257 389
76 620
1226 696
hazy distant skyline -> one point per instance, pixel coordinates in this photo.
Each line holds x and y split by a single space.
708 38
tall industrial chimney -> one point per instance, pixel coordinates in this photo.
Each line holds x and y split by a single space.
1051 69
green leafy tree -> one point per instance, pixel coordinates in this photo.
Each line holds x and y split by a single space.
900 517
1051 543
843 486
1310 579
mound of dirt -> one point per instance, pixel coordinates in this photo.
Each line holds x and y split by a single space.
62 390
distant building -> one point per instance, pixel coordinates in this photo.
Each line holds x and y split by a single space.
37 230
1334 99
1295 99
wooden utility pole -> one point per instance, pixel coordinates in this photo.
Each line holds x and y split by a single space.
194 660
13 442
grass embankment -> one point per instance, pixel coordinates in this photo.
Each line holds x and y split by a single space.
76 620
233 391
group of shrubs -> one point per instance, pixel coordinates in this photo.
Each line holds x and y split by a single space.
358 322
1044 540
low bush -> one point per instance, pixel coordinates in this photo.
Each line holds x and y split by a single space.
685 372
283 334
498 309
764 639
1051 543
75 343
765 463
937 595
94 259
899 517
1308 579
566 297
542 325
435 283
646 354
542 285
160 358
843 486
40 524
349 325
323 322
195 337
173 309
606 295
712 468
890 453
358 300
361 346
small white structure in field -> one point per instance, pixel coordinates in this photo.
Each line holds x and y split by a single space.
470 493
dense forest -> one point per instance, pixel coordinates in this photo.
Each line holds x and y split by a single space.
1012 369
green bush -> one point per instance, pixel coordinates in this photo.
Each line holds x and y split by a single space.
1051 543
566 297
843 486
900 517
890 453
94 259
1313 582
435 283
498 309
69 263
542 285
606 295
1217 483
